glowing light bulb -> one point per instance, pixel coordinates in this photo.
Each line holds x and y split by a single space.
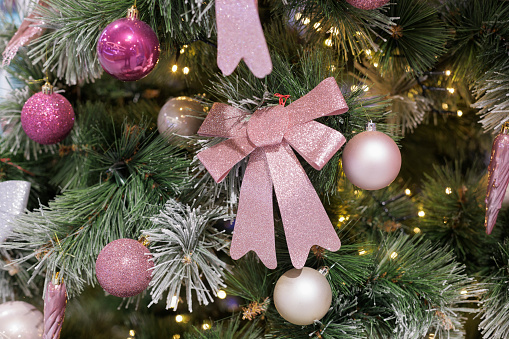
459 113
463 292
447 72
450 90
316 25
362 252
179 318
417 230
174 68
132 333
342 218
176 336
375 64
298 15
185 70
445 106
221 294
448 190
306 21
182 51
408 192
205 326
421 214
394 255
328 42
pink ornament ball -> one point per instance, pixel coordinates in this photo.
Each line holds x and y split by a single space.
47 118
371 160
128 49
367 4
124 268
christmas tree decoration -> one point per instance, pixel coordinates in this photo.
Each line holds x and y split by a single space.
367 4
47 117
13 201
183 241
240 36
181 115
267 136
128 48
371 159
20 320
55 301
124 268
498 177
29 30
302 296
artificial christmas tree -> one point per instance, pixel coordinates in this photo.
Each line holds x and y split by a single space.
414 261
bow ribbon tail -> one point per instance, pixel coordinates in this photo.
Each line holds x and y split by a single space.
304 218
255 208
240 36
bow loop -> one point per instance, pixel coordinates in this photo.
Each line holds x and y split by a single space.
224 121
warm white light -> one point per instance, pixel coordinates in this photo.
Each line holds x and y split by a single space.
463 292
408 192
306 21
174 68
298 16
316 25
182 51
448 190
221 294
205 326
421 214
176 336
450 90
417 230
185 46
394 255
132 333
459 113
332 68
375 64
334 30
185 70
342 218
445 106
179 318
447 72
328 42
362 252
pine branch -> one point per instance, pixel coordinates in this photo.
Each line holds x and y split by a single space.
184 248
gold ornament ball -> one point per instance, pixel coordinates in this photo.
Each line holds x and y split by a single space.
302 296
181 115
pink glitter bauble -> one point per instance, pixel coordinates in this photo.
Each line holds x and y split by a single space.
47 118
371 160
123 268
128 49
367 4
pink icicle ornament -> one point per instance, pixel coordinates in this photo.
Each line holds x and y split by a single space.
498 177
55 302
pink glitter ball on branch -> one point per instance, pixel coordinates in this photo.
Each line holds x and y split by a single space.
47 117
124 268
367 4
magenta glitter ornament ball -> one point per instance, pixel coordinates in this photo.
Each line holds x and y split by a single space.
371 159
128 48
47 117
367 4
124 268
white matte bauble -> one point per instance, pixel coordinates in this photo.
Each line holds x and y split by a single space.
182 115
302 296
371 160
20 320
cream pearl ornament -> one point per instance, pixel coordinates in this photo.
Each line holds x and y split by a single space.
20 320
371 159
181 116
302 296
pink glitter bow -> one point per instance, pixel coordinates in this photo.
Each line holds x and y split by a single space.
240 36
267 137
28 31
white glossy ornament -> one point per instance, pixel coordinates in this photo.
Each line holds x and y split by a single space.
20 320
302 296
182 115
371 159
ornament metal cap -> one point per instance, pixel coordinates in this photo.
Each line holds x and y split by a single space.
47 88
133 13
324 270
505 128
371 126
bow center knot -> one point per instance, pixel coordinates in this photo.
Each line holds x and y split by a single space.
268 126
